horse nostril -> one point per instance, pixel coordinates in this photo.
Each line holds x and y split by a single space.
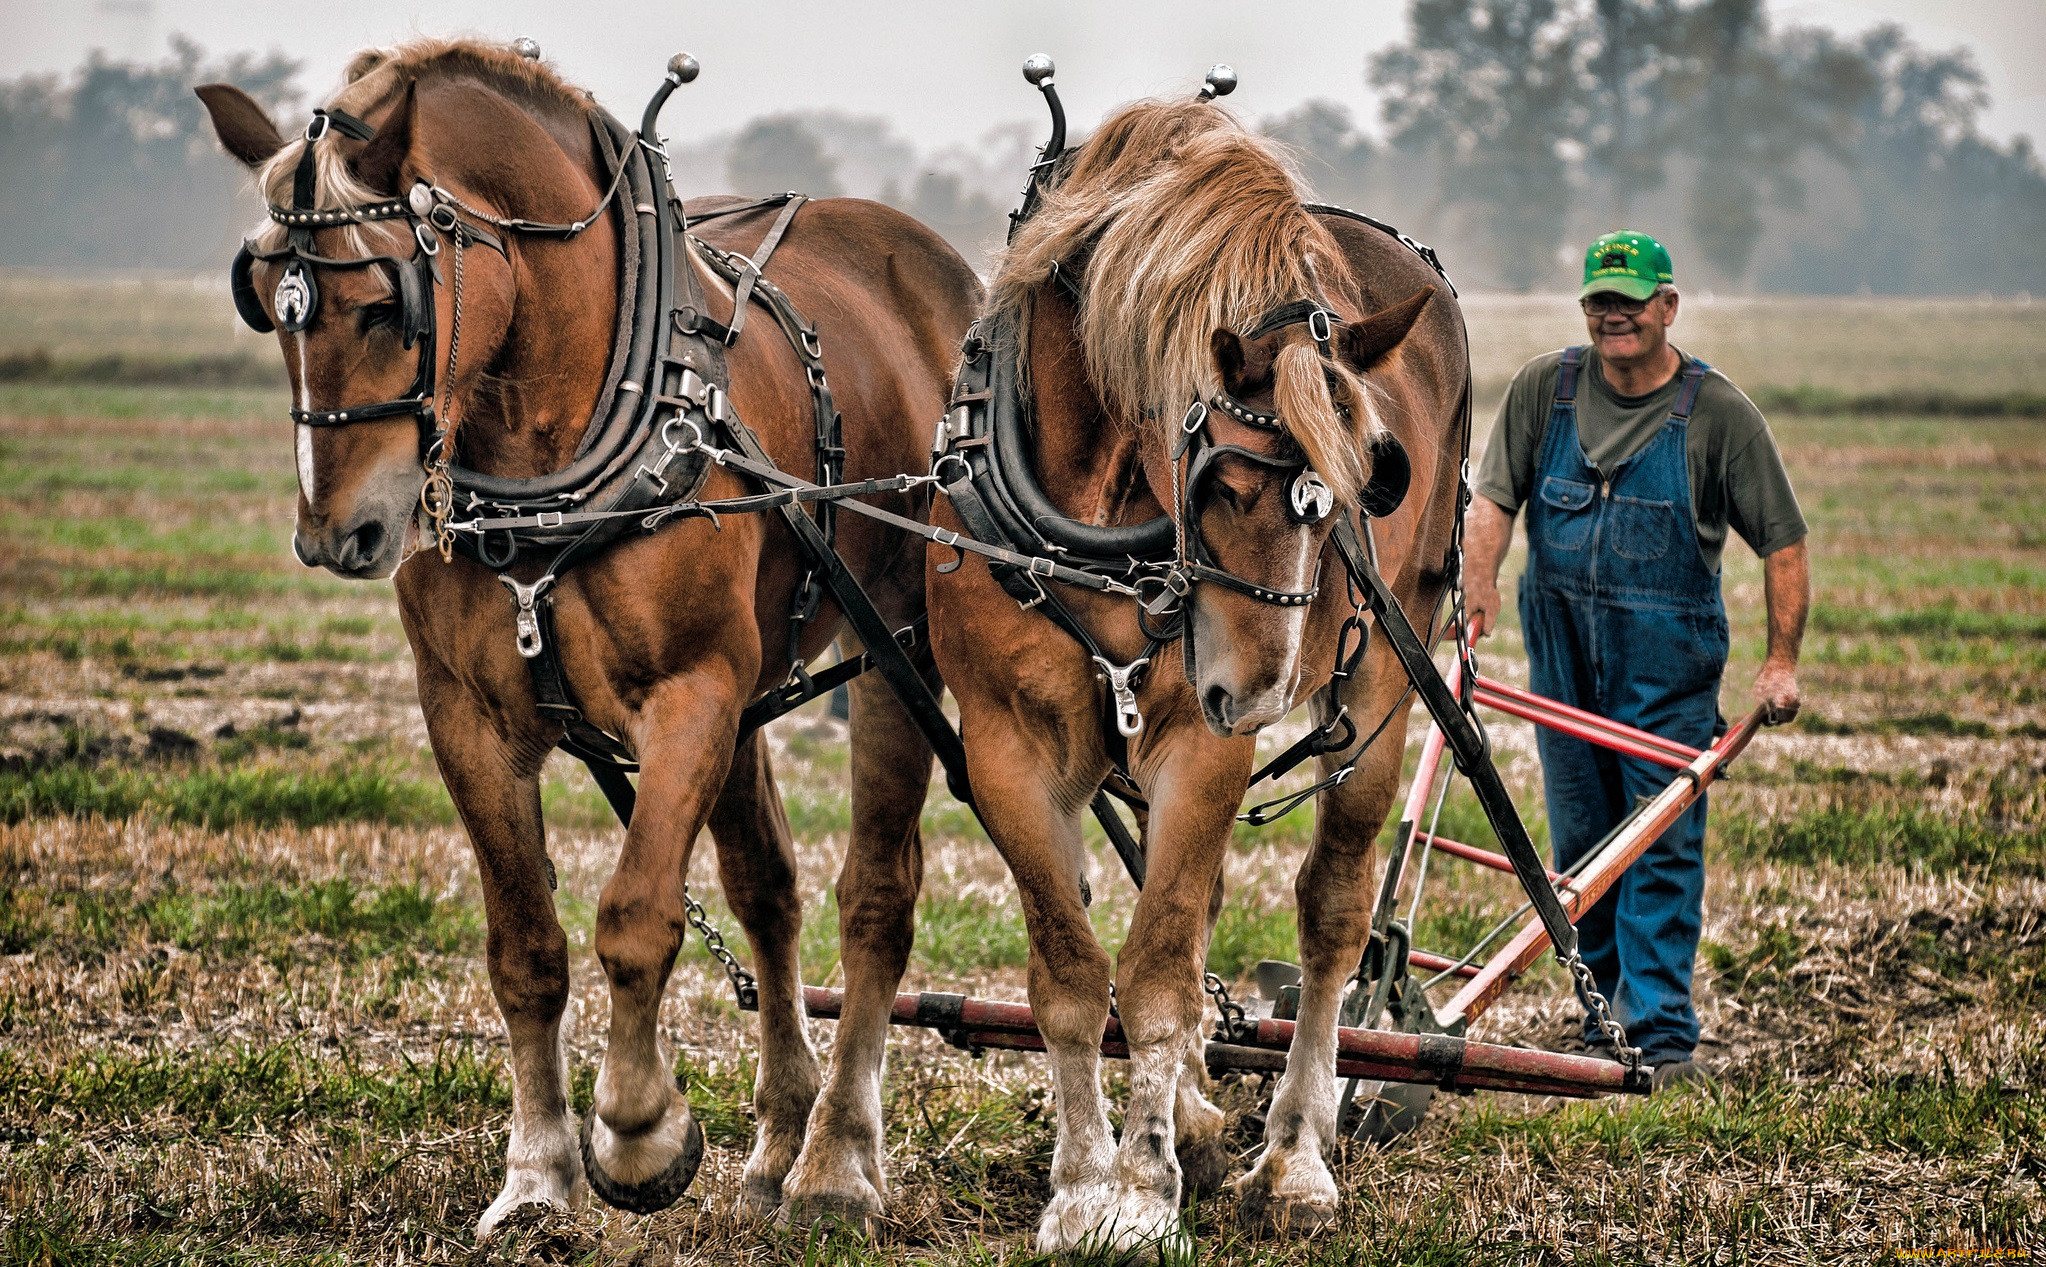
1215 702
362 546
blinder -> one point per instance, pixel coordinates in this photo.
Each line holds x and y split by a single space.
242 282
1391 474
415 299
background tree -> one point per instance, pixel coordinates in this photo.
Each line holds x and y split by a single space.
1338 161
1492 91
781 152
1757 107
119 169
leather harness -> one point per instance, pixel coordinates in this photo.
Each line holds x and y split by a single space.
666 418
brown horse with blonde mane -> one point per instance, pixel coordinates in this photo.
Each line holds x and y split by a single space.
1154 306
662 637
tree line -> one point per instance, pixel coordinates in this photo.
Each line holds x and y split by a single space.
1512 131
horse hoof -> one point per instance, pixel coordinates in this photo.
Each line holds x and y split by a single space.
652 1195
1203 1169
759 1199
854 1211
1269 1213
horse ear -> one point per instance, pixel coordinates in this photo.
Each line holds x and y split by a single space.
240 123
1367 342
377 165
1238 365
1227 350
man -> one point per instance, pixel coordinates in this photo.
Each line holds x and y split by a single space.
1633 460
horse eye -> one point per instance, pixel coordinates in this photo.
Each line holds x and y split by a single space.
378 314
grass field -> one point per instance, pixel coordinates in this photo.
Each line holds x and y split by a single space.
244 1018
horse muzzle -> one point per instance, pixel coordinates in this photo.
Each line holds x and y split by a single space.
366 547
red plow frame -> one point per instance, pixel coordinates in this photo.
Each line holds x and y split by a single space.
1441 1060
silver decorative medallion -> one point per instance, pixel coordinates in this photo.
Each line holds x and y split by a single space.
1312 500
420 199
293 301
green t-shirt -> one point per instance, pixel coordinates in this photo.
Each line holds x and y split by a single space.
1737 476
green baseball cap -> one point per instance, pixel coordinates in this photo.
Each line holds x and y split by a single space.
1631 263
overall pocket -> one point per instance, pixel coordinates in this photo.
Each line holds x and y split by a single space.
1568 512
1642 530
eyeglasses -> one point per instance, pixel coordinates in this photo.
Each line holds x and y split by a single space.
1606 301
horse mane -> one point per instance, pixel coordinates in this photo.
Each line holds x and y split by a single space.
1188 223
374 76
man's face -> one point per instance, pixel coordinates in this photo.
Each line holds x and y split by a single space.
1629 331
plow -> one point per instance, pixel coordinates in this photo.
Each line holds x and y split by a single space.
1396 1047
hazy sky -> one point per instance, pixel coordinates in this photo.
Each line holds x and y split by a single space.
943 72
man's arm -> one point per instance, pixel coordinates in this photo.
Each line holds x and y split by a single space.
1487 531
1787 587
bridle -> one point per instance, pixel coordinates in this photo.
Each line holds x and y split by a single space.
433 214
1309 500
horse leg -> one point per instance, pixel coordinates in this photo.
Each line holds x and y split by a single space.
757 867
1158 988
1197 1123
840 1176
1033 814
527 950
641 1144
1291 1187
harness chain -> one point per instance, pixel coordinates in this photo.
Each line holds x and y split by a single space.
438 476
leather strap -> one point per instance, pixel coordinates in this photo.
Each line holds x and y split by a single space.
742 291
1466 744
1687 395
889 659
1566 375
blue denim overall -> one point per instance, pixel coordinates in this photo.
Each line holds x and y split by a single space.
1623 618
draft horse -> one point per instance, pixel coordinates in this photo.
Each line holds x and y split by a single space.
1208 377
485 297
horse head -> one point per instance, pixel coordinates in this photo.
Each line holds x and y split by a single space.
1218 323
398 306
1292 442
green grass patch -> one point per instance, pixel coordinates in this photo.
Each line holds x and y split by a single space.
1944 619
968 933
271 920
131 370
1244 935
1926 403
1848 832
75 400
225 1088
200 537
226 796
180 580
1940 724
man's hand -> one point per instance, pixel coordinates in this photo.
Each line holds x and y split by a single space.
1787 588
1776 689
1487 530
1481 604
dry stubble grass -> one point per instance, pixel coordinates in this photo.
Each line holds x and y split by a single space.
261 1041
